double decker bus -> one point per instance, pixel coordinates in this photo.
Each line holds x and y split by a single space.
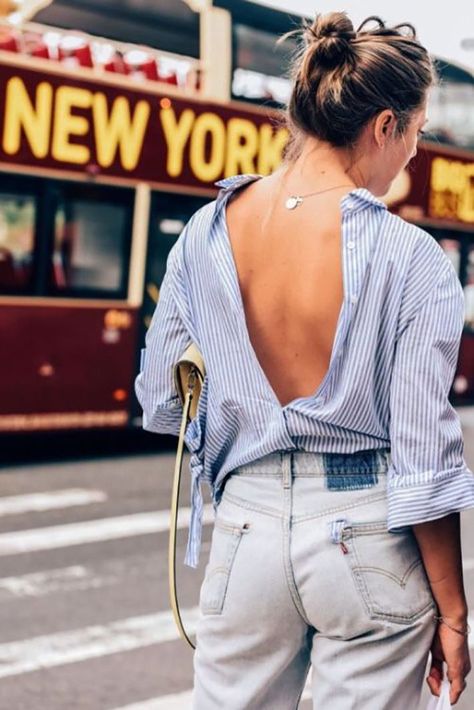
106 149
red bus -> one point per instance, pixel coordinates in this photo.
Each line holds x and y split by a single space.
107 148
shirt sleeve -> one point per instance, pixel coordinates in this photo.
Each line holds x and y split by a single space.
428 477
165 341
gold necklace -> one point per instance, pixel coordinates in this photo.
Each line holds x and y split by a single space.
296 200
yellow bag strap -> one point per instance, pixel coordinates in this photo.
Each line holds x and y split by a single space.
189 372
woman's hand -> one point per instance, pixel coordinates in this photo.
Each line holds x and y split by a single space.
453 648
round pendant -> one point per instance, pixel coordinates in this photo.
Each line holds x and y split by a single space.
292 202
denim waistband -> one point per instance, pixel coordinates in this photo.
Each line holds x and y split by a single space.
308 463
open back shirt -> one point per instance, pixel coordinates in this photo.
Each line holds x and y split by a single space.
390 373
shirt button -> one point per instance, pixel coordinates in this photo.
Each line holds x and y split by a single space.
350 245
353 299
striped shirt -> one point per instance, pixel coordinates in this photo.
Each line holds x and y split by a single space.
390 373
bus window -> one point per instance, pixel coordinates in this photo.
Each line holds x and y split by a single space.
469 287
449 122
17 241
260 65
92 235
169 214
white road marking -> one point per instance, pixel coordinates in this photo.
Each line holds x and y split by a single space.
182 701
174 701
49 500
62 579
33 654
49 538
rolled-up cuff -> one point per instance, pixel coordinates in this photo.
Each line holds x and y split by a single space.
418 498
165 419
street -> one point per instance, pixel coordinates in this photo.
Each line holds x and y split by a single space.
84 615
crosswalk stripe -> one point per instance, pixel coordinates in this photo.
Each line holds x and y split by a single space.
182 701
33 654
98 530
174 701
72 578
62 579
49 500
96 641
65 647
82 578
103 529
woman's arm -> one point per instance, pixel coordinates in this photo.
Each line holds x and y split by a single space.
428 477
440 546
165 341
429 480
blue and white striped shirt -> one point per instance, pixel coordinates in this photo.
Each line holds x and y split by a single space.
390 373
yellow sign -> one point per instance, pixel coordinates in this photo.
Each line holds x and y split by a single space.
130 132
452 190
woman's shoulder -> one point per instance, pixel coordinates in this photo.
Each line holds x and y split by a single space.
424 266
198 226
414 245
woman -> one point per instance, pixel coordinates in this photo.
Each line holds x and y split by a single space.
330 330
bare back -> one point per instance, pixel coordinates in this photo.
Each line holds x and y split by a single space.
290 277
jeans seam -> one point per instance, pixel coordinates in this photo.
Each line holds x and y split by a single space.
287 461
242 503
307 474
340 508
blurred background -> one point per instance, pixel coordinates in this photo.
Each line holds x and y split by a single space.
116 119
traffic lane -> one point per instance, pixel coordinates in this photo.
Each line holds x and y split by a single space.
54 602
120 577
104 683
131 484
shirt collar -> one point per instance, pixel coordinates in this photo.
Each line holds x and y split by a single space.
360 197
229 184
237 179
353 201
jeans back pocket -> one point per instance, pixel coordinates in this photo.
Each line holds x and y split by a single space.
226 537
388 571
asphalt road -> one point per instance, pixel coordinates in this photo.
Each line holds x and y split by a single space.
84 616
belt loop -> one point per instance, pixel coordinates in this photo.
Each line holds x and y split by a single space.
287 458
336 529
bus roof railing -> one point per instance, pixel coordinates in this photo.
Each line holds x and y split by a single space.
86 52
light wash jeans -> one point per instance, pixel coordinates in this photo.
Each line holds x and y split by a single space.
302 570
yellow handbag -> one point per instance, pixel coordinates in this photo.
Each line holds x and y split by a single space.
189 372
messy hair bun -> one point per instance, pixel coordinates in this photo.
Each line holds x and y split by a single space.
328 39
342 77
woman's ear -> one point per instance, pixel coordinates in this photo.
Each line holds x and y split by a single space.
383 126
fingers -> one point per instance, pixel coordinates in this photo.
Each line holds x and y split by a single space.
458 685
458 682
434 685
435 675
449 650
